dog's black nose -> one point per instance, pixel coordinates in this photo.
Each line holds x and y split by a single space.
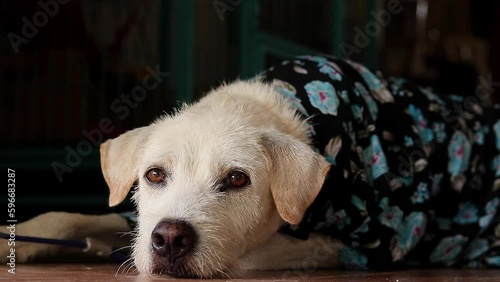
173 239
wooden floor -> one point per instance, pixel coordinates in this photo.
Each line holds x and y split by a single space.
108 272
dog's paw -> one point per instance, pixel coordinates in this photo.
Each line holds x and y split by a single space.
104 230
54 225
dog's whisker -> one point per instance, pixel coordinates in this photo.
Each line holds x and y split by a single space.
122 265
128 233
126 269
130 268
217 262
119 249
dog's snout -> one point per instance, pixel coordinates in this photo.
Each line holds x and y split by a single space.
173 239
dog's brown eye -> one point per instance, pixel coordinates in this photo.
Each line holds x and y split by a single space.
237 179
155 175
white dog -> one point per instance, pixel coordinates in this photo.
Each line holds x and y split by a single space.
215 183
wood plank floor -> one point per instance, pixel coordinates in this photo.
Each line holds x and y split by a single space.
107 272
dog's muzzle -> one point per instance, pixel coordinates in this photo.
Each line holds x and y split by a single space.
172 241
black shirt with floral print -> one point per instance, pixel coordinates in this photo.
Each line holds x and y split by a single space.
414 177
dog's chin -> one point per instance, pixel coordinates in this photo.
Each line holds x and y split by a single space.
178 269
183 268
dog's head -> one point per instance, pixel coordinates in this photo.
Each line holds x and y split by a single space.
215 180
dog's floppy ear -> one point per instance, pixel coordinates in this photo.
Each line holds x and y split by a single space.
297 174
119 158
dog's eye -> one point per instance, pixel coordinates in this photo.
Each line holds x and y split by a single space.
237 179
155 175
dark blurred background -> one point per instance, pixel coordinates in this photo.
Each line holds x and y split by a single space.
67 66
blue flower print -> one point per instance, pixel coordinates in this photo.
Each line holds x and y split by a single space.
289 92
375 160
479 135
398 182
448 249
431 96
409 141
340 219
496 128
333 73
359 89
456 98
421 194
318 59
363 228
493 261
439 131
345 96
374 83
495 165
328 218
351 258
391 216
357 112
425 133
396 86
407 181
466 214
459 151
476 248
322 61
358 203
323 96
409 233
490 210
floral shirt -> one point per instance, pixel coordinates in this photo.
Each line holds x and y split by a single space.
415 176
